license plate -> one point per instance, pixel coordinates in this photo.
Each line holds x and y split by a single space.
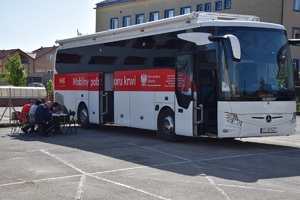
268 130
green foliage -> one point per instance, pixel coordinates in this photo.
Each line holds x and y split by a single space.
13 72
50 87
297 104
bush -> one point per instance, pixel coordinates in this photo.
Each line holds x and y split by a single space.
297 104
50 87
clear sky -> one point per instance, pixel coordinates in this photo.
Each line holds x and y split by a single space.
30 24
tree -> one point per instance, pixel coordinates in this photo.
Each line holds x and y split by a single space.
50 87
13 72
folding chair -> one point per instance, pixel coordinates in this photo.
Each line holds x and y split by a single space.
72 122
16 124
25 121
32 124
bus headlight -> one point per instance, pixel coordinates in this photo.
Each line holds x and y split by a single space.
232 118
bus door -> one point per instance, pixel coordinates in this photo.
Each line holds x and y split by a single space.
95 98
184 87
207 94
107 97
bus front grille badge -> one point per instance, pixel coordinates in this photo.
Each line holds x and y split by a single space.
268 118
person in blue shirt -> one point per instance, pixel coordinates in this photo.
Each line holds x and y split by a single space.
43 117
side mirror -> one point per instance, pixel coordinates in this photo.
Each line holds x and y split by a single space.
197 38
294 41
200 38
234 44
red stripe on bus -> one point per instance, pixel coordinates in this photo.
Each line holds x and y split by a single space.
80 81
145 80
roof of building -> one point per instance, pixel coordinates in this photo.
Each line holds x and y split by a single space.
43 50
111 2
4 53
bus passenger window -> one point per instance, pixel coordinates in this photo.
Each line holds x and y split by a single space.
67 58
105 60
134 60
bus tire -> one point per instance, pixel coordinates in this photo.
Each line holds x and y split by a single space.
166 125
83 117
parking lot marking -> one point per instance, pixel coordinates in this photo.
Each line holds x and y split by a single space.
210 180
252 188
39 180
161 152
80 186
79 189
83 174
129 187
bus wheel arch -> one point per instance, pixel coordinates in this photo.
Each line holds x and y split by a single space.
166 125
83 116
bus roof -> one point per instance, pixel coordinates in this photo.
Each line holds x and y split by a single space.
181 22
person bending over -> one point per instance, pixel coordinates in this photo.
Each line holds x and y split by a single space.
43 117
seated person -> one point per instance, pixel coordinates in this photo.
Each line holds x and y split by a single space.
61 109
31 124
34 107
43 118
25 111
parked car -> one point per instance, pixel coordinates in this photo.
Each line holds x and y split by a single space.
36 84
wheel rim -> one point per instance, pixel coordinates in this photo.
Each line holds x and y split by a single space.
83 115
168 125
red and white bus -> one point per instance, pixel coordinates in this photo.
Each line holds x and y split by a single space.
199 74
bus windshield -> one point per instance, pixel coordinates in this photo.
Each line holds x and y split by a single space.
265 70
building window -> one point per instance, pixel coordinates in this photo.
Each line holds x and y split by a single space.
200 7
227 4
296 33
154 16
207 7
169 13
50 57
297 5
140 18
114 23
126 21
185 10
218 5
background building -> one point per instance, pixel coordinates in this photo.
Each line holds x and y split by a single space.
38 65
112 14
43 64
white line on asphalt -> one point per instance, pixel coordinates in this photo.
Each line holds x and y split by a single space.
94 176
129 187
66 163
212 182
80 186
140 167
161 152
252 188
39 180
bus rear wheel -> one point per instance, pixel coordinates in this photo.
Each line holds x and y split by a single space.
83 117
166 125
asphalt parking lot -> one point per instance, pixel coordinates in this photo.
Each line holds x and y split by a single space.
123 163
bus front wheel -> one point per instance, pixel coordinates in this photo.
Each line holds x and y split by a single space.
83 117
166 125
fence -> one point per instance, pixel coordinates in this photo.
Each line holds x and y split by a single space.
12 97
